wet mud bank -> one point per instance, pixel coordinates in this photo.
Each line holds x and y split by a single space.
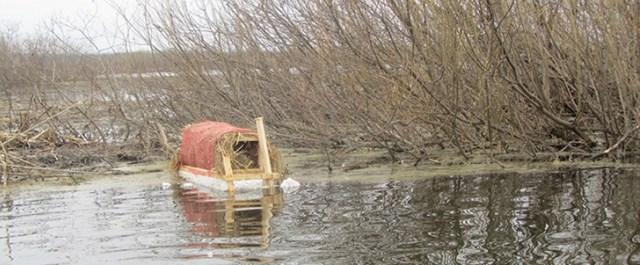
313 166
375 165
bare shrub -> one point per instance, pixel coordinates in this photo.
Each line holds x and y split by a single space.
407 76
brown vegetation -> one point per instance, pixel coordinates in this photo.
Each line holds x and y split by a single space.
408 76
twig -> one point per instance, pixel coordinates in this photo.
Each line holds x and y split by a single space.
615 146
40 123
5 172
164 142
52 169
5 166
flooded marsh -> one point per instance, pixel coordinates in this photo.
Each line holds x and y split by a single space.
582 216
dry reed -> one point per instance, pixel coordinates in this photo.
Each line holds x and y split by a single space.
239 158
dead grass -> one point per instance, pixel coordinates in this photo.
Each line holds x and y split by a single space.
240 159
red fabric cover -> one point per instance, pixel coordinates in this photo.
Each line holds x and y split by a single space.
199 142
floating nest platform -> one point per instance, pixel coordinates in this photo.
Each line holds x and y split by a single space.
222 156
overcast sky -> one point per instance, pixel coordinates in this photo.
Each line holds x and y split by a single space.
30 16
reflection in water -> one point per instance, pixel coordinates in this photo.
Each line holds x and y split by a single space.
575 217
7 204
588 217
233 220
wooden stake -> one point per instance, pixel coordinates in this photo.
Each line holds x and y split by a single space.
265 161
228 173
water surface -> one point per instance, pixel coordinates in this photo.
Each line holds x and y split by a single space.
576 217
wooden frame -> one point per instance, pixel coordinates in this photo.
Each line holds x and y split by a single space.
230 176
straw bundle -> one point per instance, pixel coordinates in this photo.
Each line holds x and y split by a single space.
241 159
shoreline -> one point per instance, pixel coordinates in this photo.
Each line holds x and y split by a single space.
310 166
371 166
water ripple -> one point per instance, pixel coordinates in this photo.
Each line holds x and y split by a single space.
565 218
